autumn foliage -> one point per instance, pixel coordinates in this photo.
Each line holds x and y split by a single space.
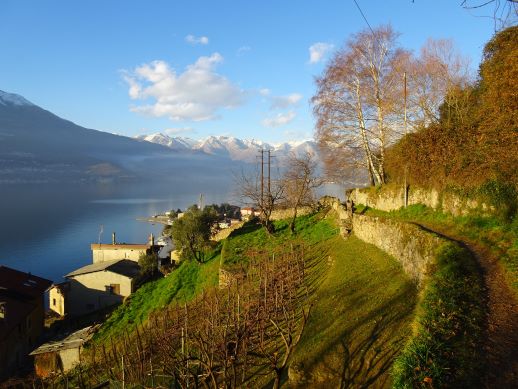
475 140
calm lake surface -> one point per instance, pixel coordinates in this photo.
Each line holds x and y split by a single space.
47 229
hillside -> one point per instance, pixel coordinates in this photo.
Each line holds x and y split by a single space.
38 146
362 303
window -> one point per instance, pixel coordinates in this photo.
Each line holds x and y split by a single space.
116 289
113 289
54 302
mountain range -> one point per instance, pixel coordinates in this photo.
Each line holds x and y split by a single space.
246 150
36 146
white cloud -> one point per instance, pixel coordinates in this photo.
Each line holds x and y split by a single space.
196 94
176 131
317 51
279 120
194 40
264 92
242 50
282 102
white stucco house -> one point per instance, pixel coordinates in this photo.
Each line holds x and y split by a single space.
94 287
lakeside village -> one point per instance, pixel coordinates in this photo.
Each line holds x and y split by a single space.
51 341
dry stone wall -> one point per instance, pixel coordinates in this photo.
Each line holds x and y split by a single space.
391 198
286 213
413 247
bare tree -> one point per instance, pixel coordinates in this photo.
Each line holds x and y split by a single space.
503 12
357 100
435 74
300 181
373 92
225 338
252 190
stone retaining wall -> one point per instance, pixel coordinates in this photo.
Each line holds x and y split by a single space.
286 213
413 247
391 198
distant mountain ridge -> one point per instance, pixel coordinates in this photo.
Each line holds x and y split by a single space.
236 149
37 146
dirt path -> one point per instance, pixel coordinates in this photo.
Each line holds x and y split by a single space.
501 348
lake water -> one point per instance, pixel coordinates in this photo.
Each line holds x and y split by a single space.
47 229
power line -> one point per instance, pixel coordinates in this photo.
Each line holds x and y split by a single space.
364 18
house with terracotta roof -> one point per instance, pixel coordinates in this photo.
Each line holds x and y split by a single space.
93 287
22 315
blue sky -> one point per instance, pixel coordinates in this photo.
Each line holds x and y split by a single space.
214 67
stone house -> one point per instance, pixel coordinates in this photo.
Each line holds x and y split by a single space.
94 287
61 355
22 314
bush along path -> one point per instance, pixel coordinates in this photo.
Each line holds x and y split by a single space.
501 338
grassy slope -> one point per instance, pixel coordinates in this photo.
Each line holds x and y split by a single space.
361 316
362 301
183 284
445 350
498 237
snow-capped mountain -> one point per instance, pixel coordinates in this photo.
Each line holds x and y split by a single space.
234 148
177 143
37 146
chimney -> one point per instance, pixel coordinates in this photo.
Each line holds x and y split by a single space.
113 238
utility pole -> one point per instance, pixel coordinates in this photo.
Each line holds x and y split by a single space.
404 80
262 178
406 133
269 171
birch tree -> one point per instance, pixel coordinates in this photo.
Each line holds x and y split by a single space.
373 92
357 104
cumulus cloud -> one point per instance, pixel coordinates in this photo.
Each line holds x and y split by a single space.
279 120
196 94
318 51
264 92
282 102
194 40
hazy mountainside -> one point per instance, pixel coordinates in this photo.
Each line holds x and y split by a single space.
245 150
38 146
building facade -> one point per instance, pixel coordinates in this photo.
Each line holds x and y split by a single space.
22 315
94 287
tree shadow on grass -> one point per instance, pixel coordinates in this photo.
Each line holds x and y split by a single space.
366 362
361 354
247 228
